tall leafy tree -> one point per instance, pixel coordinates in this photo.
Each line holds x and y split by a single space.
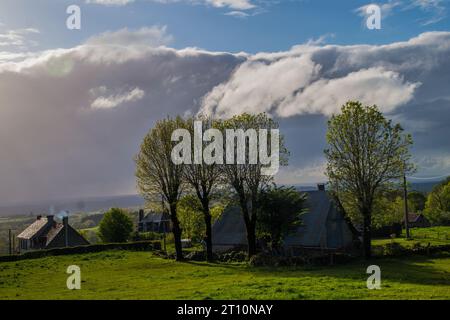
437 208
248 179
366 152
204 178
158 175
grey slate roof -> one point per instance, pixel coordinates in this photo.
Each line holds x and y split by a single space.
312 232
155 217
322 226
230 228
53 232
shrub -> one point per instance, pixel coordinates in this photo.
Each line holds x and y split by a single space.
115 226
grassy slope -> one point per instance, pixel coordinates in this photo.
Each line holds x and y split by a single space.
435 236
139 275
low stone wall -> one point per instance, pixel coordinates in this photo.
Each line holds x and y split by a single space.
132 246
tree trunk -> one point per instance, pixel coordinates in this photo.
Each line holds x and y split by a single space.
250 227
251 239
207 217
367 237
176 232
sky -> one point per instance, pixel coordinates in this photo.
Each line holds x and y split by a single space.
75 104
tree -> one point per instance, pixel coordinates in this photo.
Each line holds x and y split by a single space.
366 152
280 213
157 175
204 178
417 200
246 178
437 207
190 216
115 226
190 212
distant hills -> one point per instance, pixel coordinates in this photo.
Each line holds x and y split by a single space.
76 205
125 201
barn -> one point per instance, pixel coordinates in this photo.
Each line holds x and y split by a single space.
324 227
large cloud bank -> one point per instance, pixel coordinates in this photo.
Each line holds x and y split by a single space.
72 119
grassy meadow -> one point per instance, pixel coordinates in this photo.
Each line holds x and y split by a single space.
141 275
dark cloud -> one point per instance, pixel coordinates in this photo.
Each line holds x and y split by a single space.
71 120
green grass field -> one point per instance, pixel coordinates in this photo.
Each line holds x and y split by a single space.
435 236
141 275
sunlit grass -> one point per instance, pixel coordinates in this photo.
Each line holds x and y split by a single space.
140 275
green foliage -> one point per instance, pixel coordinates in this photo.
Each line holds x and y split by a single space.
248 180
417 200
157 175
145 236
115 226
280 213
191 217
366 153
437 207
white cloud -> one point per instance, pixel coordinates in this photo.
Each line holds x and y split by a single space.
370 86
47 121
18 38
110 2
117 99
434 10
237 14
386 8
232 4
312 173
292 83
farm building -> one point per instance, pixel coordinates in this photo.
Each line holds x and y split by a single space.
154 222
417 221
324 227
46 233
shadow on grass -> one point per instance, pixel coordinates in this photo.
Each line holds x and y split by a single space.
406 270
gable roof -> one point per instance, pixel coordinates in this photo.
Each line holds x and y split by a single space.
323 225
413 217
155 217
33 228
53 232
312 231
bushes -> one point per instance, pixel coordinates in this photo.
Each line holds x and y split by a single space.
133 246
146 236
116 226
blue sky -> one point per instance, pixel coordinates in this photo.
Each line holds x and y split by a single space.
269 26
75 104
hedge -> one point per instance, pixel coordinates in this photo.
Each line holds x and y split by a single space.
132 246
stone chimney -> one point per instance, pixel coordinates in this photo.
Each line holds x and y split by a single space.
321 186
66 230
51 220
